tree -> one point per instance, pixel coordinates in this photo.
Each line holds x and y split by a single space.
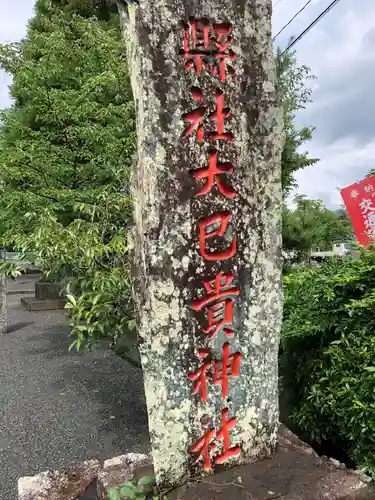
66 147
312 224
294 95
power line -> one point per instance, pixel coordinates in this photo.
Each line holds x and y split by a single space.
316 20
295 15
277 3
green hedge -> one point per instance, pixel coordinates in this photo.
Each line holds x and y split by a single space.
327 358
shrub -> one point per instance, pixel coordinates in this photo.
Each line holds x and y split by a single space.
327 359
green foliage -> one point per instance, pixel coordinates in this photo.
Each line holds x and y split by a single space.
294 95
311 224
327 359
142 490
66 148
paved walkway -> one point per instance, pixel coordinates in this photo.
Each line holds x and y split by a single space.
57 407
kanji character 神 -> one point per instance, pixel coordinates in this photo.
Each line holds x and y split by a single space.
213 174
219 304
221 218
205 444
224 368
369 188
209 52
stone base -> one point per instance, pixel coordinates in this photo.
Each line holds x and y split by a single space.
295 473
33 304
45 290
59 485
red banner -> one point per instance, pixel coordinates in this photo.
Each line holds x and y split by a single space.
359 199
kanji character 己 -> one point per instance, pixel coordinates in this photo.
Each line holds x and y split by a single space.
221 218
205 445
219 305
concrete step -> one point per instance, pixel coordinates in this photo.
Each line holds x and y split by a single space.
33 304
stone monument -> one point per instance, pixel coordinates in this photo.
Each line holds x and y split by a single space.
207 238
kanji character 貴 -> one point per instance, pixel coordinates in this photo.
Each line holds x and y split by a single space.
219 305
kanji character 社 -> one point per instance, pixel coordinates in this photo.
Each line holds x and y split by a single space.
205 445
219 305
219 116
195 117
227 366
221 218
214 174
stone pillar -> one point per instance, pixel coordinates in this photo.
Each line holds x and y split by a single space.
3 297
207 205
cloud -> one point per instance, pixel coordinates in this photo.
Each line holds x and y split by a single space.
340 50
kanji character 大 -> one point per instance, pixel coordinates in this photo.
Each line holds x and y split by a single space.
227 366
221 218
219 305
205 445
214 174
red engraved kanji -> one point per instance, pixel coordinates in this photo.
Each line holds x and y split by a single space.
196 44
230 366
205 445
194 118
219 116
227 366
221 218
222 41
201 50
219 305
199 376
214 175
223 434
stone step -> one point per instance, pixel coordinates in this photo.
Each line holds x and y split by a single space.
33 304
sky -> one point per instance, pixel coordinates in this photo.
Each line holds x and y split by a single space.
340 50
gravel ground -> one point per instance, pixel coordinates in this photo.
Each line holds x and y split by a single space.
56 407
